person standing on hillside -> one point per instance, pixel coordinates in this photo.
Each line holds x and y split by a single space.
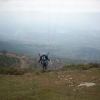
44 60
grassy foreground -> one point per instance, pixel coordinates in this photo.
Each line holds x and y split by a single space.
51 85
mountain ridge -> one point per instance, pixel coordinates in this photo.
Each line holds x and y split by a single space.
89 54
25 61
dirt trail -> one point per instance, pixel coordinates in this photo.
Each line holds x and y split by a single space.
22 62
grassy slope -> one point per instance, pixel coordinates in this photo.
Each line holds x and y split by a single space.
50 85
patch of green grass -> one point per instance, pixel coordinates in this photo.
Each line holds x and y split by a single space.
81 66
50 85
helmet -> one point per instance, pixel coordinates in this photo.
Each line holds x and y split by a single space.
43 53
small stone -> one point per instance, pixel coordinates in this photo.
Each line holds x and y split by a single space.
93 78
70 78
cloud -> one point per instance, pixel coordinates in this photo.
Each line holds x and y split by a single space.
52 6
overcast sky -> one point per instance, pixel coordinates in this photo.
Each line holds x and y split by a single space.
50 14
50 5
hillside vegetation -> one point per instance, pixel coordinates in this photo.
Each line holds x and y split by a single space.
22 61
16 60
6 61
62 81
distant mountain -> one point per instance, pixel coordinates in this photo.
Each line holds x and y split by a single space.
15 48
22 61
75 52
88 53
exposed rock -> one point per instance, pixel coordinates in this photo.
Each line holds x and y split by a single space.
86 84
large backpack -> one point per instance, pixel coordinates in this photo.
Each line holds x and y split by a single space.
44 58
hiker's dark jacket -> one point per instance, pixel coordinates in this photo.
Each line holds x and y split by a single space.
47 59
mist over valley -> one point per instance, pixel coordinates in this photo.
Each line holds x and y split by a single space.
65 30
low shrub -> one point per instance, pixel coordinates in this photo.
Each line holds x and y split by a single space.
81 66
15 71
72 66
12 71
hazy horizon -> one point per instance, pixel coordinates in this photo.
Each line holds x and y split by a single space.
68 24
